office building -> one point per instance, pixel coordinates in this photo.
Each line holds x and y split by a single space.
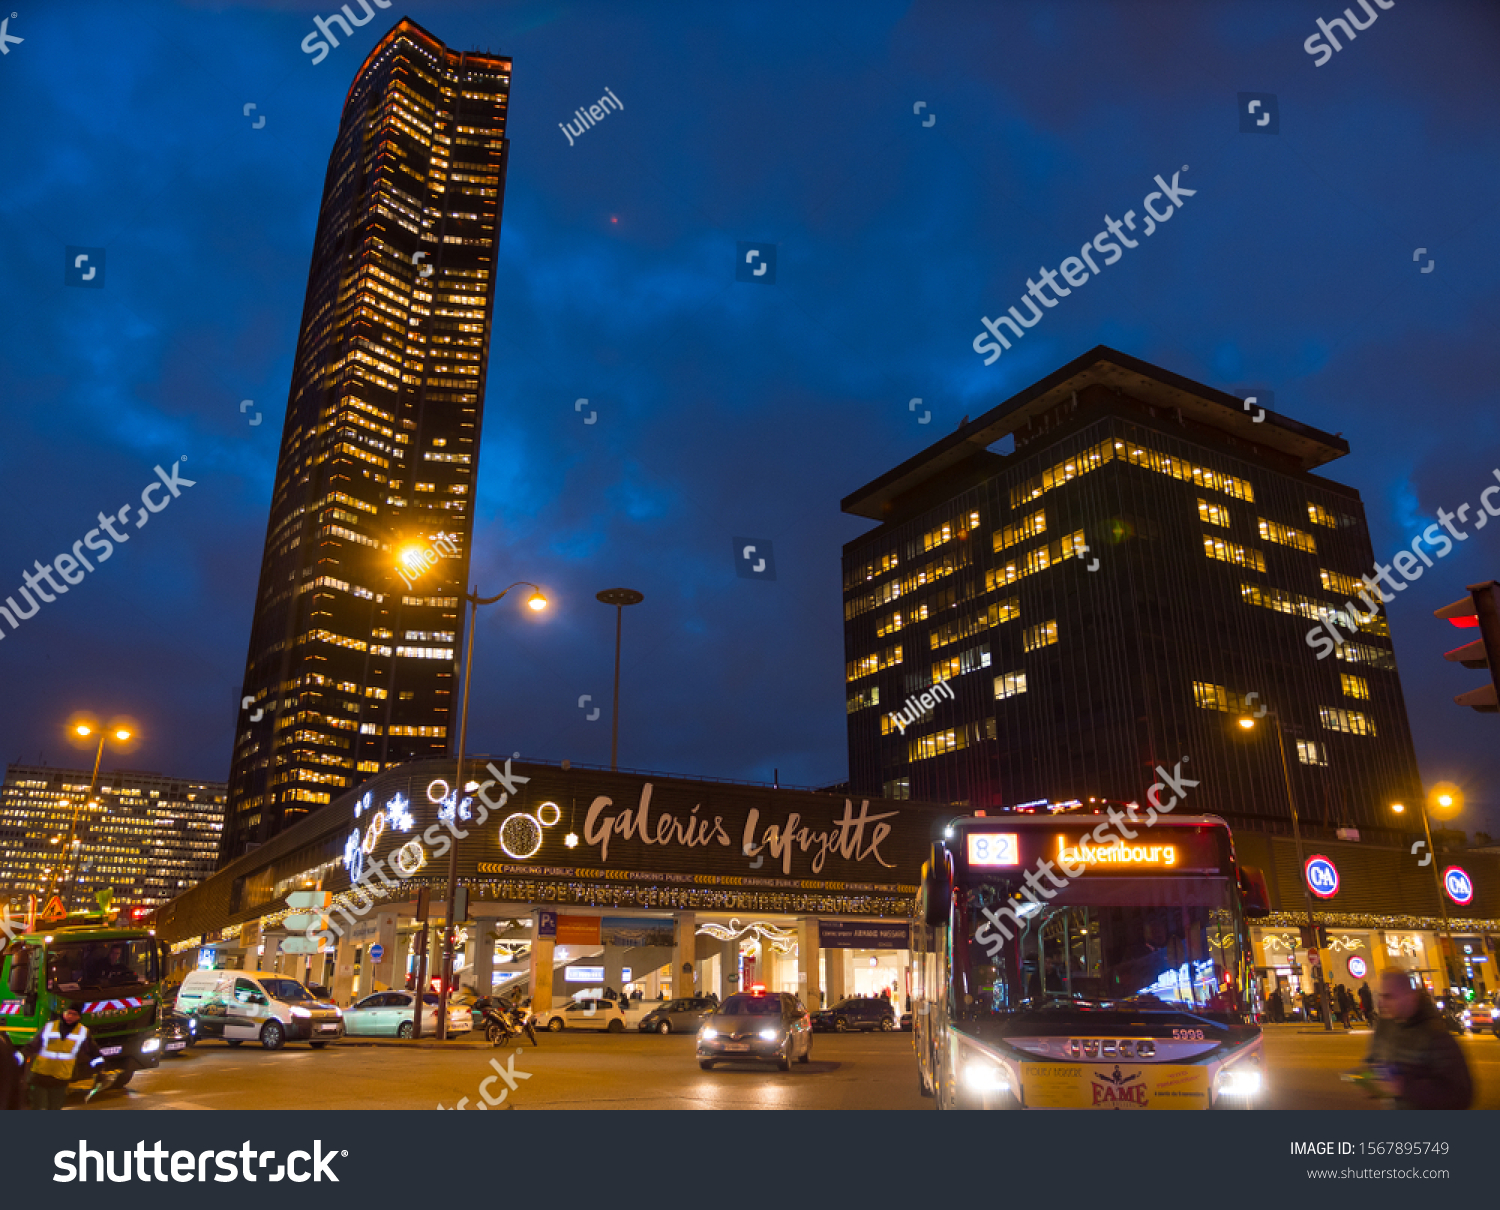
351 661
1108 596
149 839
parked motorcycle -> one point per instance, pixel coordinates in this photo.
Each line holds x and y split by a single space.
502 1022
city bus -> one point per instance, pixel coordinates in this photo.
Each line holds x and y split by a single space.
1065 959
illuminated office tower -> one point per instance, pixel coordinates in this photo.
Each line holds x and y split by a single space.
1104 599
351 666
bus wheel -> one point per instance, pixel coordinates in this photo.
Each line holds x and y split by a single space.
123 1079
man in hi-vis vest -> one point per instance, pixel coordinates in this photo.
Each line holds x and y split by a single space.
62 1052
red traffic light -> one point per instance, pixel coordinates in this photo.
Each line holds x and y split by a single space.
1480 609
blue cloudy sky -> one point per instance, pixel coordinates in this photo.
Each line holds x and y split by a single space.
724 409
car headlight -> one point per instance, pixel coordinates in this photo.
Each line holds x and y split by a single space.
150 1045
337 1011
301 1012
980 1075
770 1035
1238 1082
708 1031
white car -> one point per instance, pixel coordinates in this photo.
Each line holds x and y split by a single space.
389 1015
587 1013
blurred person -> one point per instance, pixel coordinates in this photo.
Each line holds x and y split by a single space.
63 1051
1413 1061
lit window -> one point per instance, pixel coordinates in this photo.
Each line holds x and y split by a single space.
1009 684
1354 686
1350 721
1285 535
1212 514
1310 753
1043 634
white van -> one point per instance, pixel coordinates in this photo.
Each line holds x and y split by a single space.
257 1006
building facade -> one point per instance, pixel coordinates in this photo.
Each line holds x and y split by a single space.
357 617
149 839
1105 601
580 876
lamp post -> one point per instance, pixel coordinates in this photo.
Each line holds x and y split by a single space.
1447 800
84 730
537 602
1248 724
619 598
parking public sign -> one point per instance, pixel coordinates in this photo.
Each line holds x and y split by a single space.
1459 885
1322 876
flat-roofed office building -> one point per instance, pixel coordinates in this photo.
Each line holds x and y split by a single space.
1109 597
149 838
351 665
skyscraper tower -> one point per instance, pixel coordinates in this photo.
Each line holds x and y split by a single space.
352 666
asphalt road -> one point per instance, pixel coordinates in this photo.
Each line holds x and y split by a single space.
634 1071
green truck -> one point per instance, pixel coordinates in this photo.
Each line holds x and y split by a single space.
112 975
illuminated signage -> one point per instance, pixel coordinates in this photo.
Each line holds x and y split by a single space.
1459 885
1322 876
1115 854
994 848
1357 966
591 974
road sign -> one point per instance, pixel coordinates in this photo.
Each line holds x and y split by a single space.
301 945
377 952
300 922
309 899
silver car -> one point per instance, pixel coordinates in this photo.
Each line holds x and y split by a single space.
756 1027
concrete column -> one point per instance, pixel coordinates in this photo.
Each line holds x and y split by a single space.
482 946
384 971
836 961
614 964
684 953
402 960
343 971
729 968
807 963
541 968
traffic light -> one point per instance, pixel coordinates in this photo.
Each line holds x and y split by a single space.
1481 610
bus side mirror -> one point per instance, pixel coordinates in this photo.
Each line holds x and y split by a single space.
20 978
937 886
1253 893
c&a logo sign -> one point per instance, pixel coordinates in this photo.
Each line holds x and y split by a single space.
1322 876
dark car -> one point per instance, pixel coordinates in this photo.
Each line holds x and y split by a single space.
178 1030
756 1027
857 1013
678 1016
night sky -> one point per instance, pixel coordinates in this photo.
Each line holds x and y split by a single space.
724 409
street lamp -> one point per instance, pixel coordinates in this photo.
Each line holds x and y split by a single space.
537 602
86 730
1449 799
619 598
1248 723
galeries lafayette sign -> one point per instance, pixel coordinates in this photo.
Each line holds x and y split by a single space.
853 836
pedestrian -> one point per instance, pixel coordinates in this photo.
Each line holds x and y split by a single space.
1367 1003
1413 1060
1276 1008
62 1051
1346 1004
12 1075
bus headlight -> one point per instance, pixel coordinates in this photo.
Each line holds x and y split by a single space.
1238 1082
150 1046
980 1075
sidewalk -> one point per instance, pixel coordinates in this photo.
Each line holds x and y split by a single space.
1310 1027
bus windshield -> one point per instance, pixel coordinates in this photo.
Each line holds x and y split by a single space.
1137 945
